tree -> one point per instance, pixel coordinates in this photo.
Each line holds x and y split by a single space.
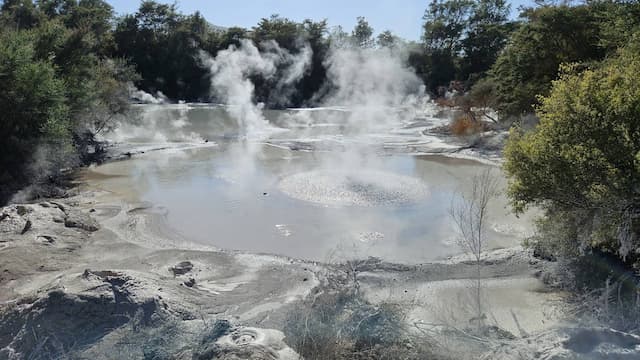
445 22
33 106
281 30
386 39
315 34
339 38
19 14
487 32
582 162
165 45
550 37
362 33
469 214
617 22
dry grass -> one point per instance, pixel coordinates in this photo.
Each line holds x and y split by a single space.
342 325
466 125
445 102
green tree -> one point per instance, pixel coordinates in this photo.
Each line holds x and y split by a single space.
34 108
339 38
362 33
617 22
19 14
315 34
487 32
549 37
282 30
164 45
445 24
582 162
386 39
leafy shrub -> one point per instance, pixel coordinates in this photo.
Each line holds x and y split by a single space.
582 161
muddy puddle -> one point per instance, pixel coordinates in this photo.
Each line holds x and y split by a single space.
313 186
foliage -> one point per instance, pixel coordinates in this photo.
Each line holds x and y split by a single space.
33 104
281 30
582 162
56 86
487 32
462 38
164 46
549 36
363 34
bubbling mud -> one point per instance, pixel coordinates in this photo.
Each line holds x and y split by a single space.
366 188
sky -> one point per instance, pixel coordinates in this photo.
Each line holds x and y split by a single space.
402 17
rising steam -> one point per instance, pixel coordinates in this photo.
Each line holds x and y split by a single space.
231 71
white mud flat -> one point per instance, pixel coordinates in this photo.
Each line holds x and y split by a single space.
90 276
85 279
204 243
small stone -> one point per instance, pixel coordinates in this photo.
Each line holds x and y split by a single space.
81 221
190 283
48 239
59 206
181 268
27 227
22 210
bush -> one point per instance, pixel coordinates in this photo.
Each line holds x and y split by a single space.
34 109
342 325
466 125
582 161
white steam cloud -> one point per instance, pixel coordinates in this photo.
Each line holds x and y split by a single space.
144 97
372 83
231 72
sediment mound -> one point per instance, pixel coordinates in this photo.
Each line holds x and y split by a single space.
361 188
51 326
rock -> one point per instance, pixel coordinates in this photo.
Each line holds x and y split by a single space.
182 268
59 206
540 253
47 239
22 210
27 227
190 283
81 221
76 320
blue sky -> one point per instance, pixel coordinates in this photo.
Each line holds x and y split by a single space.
402 17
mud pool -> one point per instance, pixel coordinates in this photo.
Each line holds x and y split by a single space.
313 184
